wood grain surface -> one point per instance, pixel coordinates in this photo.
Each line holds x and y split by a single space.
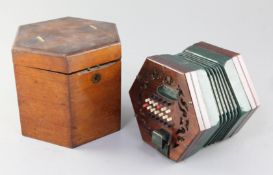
68 78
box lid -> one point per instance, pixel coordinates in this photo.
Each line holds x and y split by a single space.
66 44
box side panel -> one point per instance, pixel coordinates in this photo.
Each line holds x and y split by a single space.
42 61
95 57
95 102
44 105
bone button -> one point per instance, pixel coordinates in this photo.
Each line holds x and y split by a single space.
155 104
169 119
168 111
163 109
156 112
147 99
165 117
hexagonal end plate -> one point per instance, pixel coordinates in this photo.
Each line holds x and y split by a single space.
162 102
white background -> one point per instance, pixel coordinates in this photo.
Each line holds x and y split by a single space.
146 28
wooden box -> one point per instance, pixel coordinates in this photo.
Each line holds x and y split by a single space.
68 78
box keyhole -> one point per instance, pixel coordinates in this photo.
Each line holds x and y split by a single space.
96 78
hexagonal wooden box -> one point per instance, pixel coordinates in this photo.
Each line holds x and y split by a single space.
68 78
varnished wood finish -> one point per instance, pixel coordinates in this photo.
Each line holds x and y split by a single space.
95 57
182 110
66 36
95 107
43 99
70 63
66 45
58 100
